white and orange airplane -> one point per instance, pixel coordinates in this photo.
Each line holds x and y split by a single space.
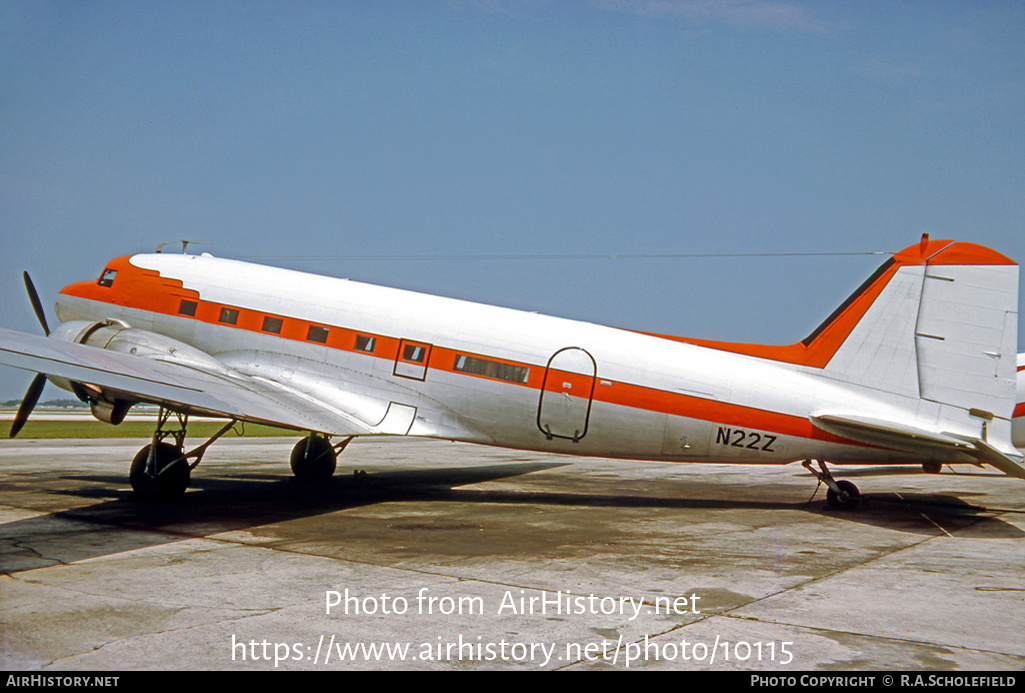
918 366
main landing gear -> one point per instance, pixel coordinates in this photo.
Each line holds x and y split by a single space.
841 495
161 470
314 458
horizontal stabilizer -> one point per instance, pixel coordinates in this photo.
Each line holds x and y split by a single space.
910 439
888 434
985 452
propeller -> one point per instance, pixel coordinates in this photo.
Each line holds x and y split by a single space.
36 305
28 403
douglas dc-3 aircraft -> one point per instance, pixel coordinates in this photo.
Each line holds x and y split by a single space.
918 366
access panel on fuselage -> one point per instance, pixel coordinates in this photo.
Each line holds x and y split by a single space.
564 409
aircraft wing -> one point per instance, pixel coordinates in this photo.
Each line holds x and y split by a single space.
177 385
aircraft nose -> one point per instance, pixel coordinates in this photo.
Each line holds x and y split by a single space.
68 298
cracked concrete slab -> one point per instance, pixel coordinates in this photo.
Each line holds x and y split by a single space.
452 556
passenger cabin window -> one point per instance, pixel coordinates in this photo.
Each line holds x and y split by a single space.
187 307
414 353
411 361
364 343
317 334
272 325
229 316
491 369
107 278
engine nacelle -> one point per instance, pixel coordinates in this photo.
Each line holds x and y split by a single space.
110 406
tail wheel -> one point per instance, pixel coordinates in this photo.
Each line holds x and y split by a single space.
848 497
313 459
167 477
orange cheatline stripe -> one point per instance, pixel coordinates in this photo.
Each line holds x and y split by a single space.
725 413
146 290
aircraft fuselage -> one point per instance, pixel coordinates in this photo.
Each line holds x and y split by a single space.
409 363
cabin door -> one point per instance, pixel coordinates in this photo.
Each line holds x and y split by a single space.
565 407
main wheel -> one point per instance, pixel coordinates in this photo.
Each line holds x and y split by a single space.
847 499
313 459
168 478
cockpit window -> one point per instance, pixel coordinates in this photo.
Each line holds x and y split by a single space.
107 278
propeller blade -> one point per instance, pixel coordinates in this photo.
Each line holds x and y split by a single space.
36 305
28 403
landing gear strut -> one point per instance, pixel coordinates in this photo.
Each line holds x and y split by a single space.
161 470
841 495
314 458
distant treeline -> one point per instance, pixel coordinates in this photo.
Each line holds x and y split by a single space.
53 404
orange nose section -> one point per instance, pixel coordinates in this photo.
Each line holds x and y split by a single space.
123 284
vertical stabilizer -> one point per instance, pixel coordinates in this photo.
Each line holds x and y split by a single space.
879 351
936 322
941 326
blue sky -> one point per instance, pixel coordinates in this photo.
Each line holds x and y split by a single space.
319 135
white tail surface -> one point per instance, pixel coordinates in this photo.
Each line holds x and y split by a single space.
880 351
938 325
967 337
942 327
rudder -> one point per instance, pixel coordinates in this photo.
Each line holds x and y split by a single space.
942 327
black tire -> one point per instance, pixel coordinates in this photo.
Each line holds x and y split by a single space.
171 474
848 498
313 459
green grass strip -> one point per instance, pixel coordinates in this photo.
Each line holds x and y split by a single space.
138 429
